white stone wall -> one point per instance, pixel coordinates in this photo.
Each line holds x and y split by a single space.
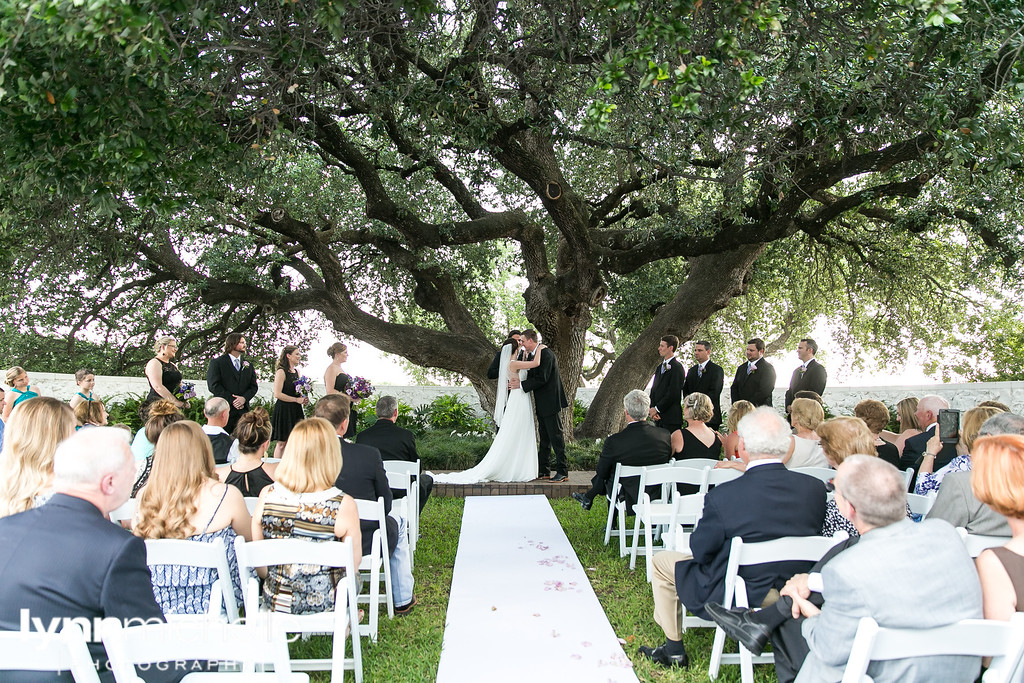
839 399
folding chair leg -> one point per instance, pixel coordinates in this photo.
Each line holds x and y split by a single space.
636 539
716 653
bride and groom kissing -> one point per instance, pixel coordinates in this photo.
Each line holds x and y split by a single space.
523 368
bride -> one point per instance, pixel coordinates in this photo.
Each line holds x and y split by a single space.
513 455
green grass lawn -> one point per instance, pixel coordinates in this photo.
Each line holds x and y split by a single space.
409 648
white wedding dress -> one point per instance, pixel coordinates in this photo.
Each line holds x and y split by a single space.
513 454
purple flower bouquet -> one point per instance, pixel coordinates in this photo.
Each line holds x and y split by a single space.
358 389
187 391
304 386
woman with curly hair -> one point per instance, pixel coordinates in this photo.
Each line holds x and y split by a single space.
183 499
30 439
249 474
162 414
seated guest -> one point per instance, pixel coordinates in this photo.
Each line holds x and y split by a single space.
184 500
162 414
696 439
813 625
994 404
65 560
91 414
363 476
249 474
639 443
906 415
914 447
842 437
956 502
804 450
394 443
997 481
766 503
736 413
813 395
26 468
3 396
225 447
927 480
876 417
304 503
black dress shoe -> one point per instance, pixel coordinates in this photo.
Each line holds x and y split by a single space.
559 478
738 625
582 500
659 656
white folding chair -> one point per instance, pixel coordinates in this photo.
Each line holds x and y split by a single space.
125 513
675 510
399 481
826 474
370 567
908 476
920 505
248 644
977 542
211 555
250 504
617 510
344 617
1001 640
412 516
696 463
788 548
41 651
721 476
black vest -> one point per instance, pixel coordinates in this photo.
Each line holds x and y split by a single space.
221 445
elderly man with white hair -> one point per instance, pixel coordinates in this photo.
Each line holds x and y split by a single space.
915 448
766 503
225 447
66 560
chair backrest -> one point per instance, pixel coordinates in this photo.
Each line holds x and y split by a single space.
279 551
252 643
411 469
826 474
653 476
399 481
211 555
908 476
250 504
40 651
721 476
125 513
976 542
373 511
697 463
1001 640
920 505
623 471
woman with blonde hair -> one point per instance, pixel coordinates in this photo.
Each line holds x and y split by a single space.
906 415
842 437
697 440
928 480
732 439
805 415
997 479
183 499
163 375
21 391
249 474
304 503
91 413
30 439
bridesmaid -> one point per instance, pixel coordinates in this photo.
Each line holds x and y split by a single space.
163 375
288 409
21 391
86 380
336 381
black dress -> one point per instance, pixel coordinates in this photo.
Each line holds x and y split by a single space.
341 383
286 414
695 448
170 377
889 453
249 483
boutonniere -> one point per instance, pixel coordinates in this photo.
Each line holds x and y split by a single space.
245 364
802 370
753 368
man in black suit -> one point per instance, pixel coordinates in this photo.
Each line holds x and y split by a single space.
394 443
915 448
767 502
810 375
640 443
232 378
549 401
225 447
362 476
667 387
492 371
65 560
707 378
755 379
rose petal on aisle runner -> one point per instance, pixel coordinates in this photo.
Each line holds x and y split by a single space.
521 606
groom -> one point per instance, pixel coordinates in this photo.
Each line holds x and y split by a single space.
549 400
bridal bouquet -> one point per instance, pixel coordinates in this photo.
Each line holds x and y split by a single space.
358 389
304 386
187 391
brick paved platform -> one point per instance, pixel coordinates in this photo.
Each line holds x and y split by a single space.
578 482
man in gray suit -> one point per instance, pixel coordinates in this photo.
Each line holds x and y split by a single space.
902 574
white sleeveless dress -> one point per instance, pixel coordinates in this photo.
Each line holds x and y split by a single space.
513 454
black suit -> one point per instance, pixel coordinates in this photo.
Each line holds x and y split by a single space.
640 443
396 443
667 394
549 400
65 559
767 502
813 379
224 381
756 386
710 382
363 476
914 448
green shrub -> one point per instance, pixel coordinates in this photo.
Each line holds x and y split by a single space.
579 413
451 414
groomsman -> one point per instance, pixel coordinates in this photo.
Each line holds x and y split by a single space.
811 374
232 378
755 379
707 378
667 389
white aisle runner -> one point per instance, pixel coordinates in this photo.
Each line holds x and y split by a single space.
521 606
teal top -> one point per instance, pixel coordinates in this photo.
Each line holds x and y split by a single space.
24 395
87 398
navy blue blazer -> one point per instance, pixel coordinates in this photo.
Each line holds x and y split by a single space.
65 559
362 476
766 503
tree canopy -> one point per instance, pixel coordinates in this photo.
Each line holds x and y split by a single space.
202 165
